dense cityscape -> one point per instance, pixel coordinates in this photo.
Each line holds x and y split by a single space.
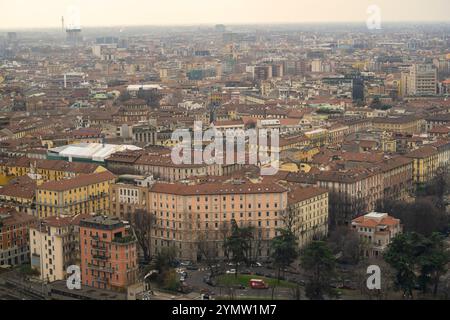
94 205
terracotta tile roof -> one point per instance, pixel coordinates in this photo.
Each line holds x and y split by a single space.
216 189
229 123
23 187
365 221
86 132
423 152
298 194
440 129
57 165
395 162
77 182
56 221
10 217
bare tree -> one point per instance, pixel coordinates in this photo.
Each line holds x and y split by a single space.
143 223
345 241
208 251
343 208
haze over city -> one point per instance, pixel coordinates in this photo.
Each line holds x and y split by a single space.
47 13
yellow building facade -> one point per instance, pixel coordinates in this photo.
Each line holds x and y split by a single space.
84 194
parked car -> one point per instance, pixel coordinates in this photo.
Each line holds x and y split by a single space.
180 270
257 265
301 282
258 284
175 264
232 271
182 279
209 281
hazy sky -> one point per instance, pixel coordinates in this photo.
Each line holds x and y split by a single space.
47 13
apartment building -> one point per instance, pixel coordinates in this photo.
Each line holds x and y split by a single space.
425 163
443 149
307 212
190 215
55 245
20 194
438 120
85 135
132 111
397 177
408 124
49 170
423 79
351 191
109 258
14 237
376 230
128 195
84 194
161 166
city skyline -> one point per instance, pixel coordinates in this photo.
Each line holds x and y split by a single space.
26 14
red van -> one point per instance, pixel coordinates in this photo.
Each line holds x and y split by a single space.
258 284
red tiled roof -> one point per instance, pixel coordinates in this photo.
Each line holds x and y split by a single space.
216 188
77 182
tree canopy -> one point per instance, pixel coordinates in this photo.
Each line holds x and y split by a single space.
319 263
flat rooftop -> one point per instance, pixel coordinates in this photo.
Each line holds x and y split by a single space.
91 151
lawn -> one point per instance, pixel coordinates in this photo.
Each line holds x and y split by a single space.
229 280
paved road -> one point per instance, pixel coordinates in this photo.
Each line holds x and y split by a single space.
196 281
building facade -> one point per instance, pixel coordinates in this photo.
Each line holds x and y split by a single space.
14 237
376 230
55 245
109 258
84 194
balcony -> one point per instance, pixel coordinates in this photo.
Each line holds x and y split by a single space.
102 280
100 268
96 246
124 240
101 257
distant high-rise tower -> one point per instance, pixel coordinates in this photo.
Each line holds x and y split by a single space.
74 36
73 30
12 37
423 79
358 88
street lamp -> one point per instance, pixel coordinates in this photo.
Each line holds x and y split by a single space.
146 294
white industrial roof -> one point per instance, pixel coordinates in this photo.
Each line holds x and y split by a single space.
93 151
136 87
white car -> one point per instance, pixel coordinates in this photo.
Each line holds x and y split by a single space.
232 271
232 264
